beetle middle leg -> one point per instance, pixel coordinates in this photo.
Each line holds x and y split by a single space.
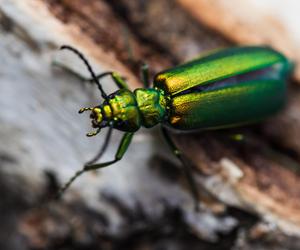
186 167
124 144
145 75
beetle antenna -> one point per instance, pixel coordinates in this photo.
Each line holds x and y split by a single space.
89 67
84 109
103 147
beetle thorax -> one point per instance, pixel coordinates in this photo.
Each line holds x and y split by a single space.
152 106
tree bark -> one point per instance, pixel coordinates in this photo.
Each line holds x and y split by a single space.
249 189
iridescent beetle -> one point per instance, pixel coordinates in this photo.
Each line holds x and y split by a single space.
226 88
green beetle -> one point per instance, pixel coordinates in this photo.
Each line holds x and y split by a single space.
225 88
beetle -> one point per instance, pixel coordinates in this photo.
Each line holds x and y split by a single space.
225 88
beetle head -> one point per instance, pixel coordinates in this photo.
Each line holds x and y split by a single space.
96 119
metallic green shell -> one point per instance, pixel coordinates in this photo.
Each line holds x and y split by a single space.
152 106
228 88
219 65
124 111
227 106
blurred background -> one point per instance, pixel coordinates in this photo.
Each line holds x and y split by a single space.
249 189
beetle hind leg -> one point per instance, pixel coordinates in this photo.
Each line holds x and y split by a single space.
186 167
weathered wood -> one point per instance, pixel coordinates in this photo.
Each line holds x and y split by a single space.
145 193
263 167
252 22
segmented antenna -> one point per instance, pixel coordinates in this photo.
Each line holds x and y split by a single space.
103 147
89 67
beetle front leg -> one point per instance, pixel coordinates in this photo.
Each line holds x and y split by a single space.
124 144
186 167
118 80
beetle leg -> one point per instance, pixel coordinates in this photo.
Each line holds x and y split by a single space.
124 144
145 75
118 80
186 167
